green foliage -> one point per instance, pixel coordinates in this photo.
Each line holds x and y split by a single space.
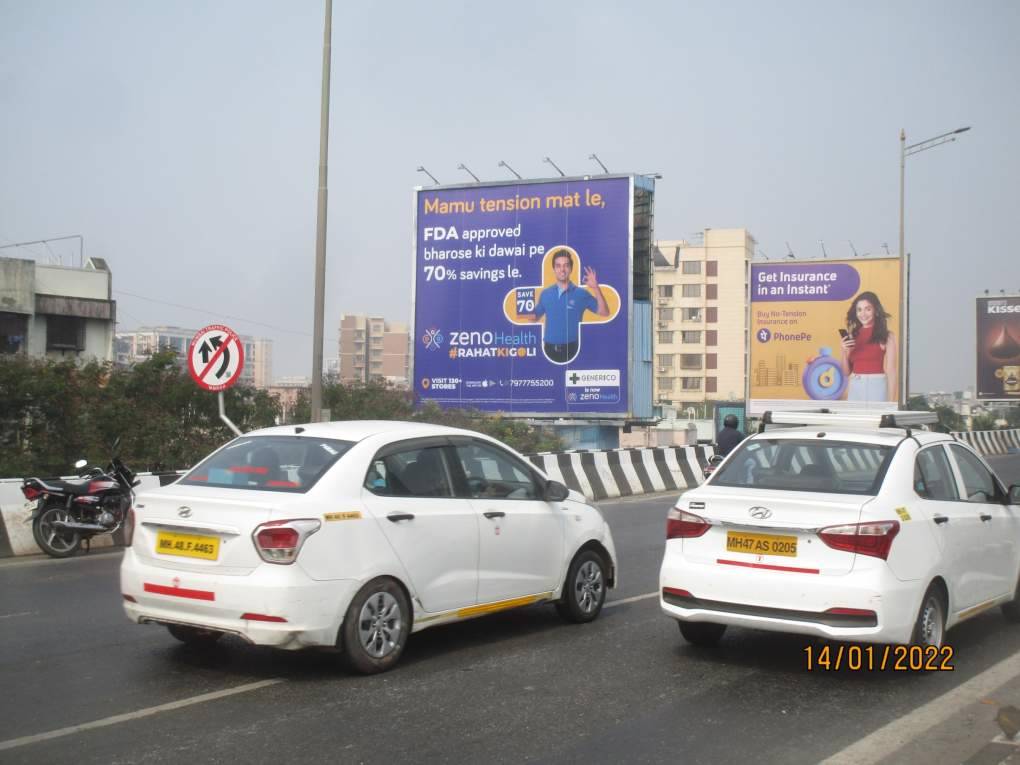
949 420
53 413
1013 417
918 404
983 422
378 400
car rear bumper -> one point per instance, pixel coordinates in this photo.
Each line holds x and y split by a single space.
801 603
312 610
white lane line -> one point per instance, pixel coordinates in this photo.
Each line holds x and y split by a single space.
20 613
636 598
24 740
897 734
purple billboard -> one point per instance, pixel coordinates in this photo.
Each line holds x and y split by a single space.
522 297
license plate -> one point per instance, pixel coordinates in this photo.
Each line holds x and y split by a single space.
188 545
761 544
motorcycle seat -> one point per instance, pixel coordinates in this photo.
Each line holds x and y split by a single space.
73 487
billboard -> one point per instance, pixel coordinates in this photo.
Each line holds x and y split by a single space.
522 296
998 348
825 334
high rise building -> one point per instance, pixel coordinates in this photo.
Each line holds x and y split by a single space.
139 344
700 319
373 348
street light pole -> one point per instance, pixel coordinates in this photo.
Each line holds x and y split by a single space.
320 225
906 151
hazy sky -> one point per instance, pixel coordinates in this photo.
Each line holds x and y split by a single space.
181 139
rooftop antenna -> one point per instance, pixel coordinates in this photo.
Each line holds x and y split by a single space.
762 253
824 253
504 164
562 174
886 246
421 169
789 251
595 156
467 170
854 249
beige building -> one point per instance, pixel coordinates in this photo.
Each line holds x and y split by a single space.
699 303
373 348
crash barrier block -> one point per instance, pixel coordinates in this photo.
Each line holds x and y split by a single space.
16 514
991 442
596 474
626 472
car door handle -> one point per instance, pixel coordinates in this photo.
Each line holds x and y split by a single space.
985 517
940 519
397 517
494 514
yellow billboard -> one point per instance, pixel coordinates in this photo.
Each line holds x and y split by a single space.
825 334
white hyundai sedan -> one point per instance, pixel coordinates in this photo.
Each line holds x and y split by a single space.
354 535
840 530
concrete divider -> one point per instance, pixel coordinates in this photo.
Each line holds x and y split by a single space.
596 474
989 442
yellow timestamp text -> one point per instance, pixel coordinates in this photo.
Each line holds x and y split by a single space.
871 658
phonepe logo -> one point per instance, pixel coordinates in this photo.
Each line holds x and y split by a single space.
1003 306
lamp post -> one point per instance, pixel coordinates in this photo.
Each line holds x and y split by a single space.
906 151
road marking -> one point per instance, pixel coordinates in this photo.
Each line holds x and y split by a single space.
636 598
20 613
895 735
24 740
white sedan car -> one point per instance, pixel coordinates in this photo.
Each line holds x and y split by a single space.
354 535
838 530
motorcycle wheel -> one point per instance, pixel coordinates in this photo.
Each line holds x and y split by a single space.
56 544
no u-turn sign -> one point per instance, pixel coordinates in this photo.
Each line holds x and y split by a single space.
216 357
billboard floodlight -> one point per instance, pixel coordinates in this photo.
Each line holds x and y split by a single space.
467 170
562 174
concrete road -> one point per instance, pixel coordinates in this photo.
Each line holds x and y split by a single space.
81 684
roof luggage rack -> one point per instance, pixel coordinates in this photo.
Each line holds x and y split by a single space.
902 420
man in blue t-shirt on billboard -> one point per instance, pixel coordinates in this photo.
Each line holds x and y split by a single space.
563 304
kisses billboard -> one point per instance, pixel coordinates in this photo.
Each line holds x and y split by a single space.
826 334
998 348
521 296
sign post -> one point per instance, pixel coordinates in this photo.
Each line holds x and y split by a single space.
215 361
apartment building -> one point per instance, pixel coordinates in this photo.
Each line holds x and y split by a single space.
57 312
372 348
139 344
700 320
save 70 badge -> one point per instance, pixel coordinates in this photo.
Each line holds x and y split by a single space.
215 357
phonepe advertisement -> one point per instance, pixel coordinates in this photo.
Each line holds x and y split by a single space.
521 297
825 333
998 348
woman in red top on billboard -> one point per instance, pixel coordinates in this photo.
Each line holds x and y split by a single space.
869 351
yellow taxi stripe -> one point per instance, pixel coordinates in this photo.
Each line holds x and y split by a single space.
502 605
978 609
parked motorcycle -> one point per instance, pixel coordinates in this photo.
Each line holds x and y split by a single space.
69 513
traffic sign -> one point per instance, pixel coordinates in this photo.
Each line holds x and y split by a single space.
215 357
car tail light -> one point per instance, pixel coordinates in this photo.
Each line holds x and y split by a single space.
31 492
874 538
681 524
129 527
280 541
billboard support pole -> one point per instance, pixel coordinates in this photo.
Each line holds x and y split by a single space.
903 366
320 224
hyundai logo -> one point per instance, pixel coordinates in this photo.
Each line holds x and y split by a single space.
184 512
761 513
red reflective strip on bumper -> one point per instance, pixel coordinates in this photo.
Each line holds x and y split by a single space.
768 567
179 592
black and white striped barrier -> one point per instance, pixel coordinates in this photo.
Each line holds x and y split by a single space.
988 442
626 472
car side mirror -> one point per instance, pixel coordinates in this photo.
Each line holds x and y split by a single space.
1014 494
715 459
555 491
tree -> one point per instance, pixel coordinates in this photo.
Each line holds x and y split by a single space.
949 420
982 422
918 404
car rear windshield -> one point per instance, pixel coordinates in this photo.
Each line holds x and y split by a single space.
784 464
269 463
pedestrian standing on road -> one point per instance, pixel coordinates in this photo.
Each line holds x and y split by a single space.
729 437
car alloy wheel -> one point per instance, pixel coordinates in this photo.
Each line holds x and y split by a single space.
588 586
379 625
931 620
